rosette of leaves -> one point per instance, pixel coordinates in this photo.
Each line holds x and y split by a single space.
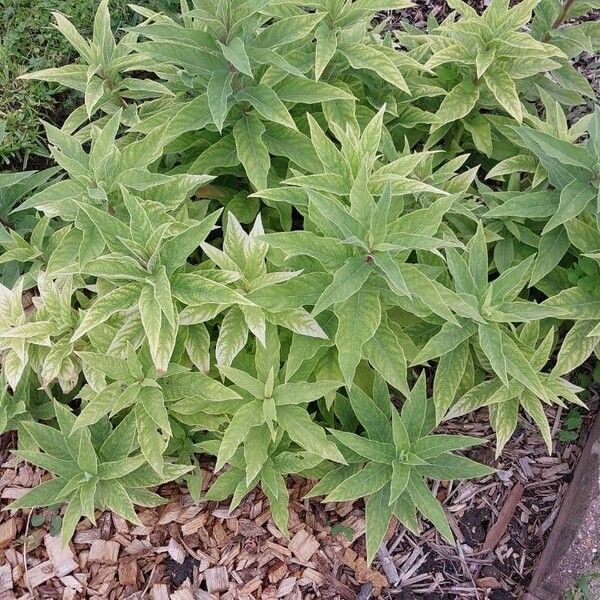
363 244
503 401
244 254
134 385
573 183
233 57
284 459
486 338
582 339
481 61
521 215
102 73
390 459
271 409
577 294
143 270
93 469
573 170
232 45
97 177
365 160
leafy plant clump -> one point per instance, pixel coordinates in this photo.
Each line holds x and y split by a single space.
298 242
29 42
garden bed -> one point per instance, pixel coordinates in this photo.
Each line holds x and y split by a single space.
501 524
189 549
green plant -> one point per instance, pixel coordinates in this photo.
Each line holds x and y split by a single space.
581 589
92 471
13 188
558 23
569 431
271 250
105 61
28 42
481 58
388 464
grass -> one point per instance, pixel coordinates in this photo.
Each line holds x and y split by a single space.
28 42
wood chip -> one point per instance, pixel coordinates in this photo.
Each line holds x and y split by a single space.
193 525
160 591
62 558
303 545
8 532
103 551
217 579
285 587
176 551
497 530
127 571
250 587
72 582
87 536
313 576
219 534
248 528
277 572
183 594
488 583
39 574
6 580
13 493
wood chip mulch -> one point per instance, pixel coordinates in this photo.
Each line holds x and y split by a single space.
186 551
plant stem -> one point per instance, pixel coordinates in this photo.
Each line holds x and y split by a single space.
560 19
563 14
6 223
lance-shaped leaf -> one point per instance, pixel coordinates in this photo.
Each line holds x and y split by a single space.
358 320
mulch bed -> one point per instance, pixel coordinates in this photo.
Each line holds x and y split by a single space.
186 551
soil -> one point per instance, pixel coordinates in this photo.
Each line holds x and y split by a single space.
475 524
178 573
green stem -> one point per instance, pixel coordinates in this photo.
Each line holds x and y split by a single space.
112 89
